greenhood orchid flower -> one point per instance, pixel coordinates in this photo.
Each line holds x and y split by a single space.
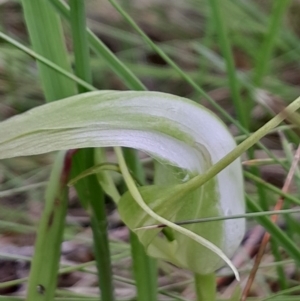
184 138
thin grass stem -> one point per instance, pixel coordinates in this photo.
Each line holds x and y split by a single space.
264 55
221 218
89 190
45 263
220 26
40 17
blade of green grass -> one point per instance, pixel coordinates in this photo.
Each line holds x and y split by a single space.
273 188
45 263
50 45
286 291
221 218
10 192
241 109
207 41
80 42
43 60
265 53
89 190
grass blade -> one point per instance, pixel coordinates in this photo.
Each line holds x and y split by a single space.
264 55
226 49
89 190
80 43
40 15
45 263
43 60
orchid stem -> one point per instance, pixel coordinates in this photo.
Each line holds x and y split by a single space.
205 286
